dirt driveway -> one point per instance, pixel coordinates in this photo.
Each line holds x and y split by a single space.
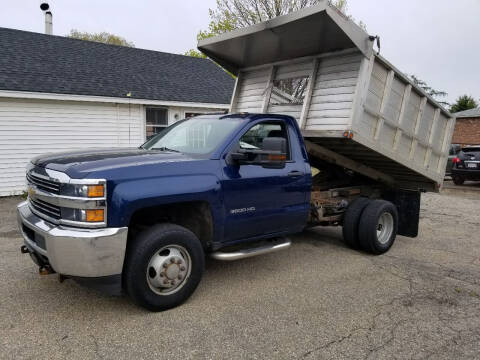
318 300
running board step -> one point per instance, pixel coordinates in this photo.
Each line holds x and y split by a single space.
277 245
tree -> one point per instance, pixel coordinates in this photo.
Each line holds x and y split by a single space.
436 94
214 28
234 14
244 13
102 37
462 103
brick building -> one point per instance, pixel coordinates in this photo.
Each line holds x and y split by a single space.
467 127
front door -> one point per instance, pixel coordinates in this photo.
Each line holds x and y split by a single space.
261 201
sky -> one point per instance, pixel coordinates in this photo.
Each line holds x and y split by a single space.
437 40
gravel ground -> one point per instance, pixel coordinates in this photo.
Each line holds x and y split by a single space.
318 300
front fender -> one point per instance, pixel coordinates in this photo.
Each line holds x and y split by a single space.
133 195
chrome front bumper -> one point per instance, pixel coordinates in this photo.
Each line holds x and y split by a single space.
74 251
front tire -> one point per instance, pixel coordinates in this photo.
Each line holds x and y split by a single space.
378 226
163 267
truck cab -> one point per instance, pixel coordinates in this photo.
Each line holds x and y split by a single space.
216 180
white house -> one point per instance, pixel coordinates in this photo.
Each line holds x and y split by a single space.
60 94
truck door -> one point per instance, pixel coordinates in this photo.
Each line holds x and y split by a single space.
260 201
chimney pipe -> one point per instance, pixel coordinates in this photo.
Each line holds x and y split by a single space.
48 18
48 23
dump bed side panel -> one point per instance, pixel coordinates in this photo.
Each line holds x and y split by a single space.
319 92
401 122
331 94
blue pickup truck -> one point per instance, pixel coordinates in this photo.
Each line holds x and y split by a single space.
141 221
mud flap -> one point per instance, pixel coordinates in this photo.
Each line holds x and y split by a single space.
408 206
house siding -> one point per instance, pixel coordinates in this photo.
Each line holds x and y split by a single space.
31 127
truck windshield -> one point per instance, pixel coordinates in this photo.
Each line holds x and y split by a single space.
198 135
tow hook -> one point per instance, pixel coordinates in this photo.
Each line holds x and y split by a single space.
43 267
45 270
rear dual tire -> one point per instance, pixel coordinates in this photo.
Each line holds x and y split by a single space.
352 220
378 227
370 225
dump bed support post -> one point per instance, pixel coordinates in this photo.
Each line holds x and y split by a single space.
308 97
236 91
442 163
268 90
386 94
417 127
433 129
335 158
401 116
361 88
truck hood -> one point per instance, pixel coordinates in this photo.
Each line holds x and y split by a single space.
78 164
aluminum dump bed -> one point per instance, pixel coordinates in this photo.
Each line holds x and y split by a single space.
320 67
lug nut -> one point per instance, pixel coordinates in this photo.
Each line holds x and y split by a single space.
172 260
165 282
179 277
165 265
179 262
162 274
182 268
173 282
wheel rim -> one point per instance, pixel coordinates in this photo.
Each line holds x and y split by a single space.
384 228
168 269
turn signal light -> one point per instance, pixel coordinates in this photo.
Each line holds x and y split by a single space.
94 215
96 190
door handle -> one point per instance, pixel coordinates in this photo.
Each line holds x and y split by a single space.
295 173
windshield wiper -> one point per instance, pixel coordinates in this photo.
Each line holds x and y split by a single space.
164 148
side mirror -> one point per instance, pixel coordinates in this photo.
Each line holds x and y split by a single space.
273 154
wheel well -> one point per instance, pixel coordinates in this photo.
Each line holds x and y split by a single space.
195 216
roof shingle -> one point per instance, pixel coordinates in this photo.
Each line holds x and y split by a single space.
55 64
468 113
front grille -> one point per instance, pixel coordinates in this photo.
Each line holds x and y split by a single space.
43 183
45 208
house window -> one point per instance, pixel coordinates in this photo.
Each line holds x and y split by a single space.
156 121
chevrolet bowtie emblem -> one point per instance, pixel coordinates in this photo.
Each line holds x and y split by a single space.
31 191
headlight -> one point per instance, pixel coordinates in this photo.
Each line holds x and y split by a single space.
80 190
84 215
94 193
